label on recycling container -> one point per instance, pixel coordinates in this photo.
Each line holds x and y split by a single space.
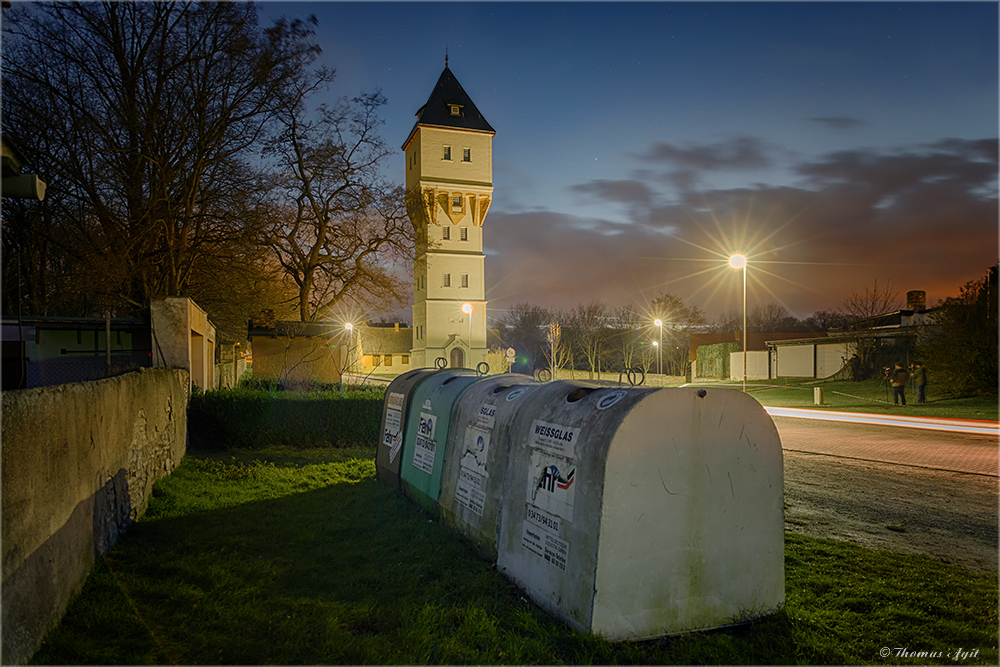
540 536
554 438
425 447
471 490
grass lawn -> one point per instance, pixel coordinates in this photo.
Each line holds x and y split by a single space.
870 396
302 557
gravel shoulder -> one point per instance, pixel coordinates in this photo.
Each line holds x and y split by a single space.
949 516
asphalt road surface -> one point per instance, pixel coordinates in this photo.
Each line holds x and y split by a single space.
898 489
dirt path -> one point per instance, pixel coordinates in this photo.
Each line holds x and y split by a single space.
949 516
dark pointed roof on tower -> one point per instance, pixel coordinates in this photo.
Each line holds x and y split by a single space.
438 109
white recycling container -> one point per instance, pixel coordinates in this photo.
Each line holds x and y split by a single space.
476 456
633 513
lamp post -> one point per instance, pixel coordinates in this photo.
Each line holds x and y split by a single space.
467 309
350 345
737 262
659 349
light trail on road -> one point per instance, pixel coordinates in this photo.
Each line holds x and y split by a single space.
953 425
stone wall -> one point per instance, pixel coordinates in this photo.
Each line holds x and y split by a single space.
228 373
78 465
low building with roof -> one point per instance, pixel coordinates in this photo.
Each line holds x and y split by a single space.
382 349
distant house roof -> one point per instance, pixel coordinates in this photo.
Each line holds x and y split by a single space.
447 98
386 339
896 319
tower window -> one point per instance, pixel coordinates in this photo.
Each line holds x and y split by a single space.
447 280
446 233
447 153
456 110
464 233
466 155
465 280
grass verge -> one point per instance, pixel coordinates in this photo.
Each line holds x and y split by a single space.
869 396
290 556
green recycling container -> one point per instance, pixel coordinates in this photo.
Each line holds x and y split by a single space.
426 434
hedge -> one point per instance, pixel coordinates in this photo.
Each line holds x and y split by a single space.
713 360
250 419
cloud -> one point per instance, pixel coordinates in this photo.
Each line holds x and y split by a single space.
735 153
921 218
838 122
630 192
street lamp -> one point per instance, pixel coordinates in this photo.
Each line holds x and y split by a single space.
467 309
659 349
738 262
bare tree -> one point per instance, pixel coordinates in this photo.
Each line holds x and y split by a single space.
340 226
825 320
558 351
589 323
524 327
678 319
764 318
626 328
144 118
861 311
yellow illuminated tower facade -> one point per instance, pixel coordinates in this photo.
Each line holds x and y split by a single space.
449 186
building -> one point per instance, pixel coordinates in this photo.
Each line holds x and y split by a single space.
449 185
384 349
45 351
297 353
888 338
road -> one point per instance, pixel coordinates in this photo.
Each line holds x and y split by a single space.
910 490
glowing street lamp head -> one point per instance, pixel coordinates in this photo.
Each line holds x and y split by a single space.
349 326
655 344
738 261
658 323
467 308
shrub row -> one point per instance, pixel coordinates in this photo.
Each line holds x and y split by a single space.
255 418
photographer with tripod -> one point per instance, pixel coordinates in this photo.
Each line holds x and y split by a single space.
898 377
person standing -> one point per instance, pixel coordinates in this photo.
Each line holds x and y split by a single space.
919 377
898 378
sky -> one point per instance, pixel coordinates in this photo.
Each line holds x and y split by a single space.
838 145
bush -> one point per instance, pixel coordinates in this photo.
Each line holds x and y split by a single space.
254 418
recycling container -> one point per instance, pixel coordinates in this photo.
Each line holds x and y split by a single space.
395 411
475 459
636 513
426 434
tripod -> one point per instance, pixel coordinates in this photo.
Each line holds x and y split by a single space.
888 391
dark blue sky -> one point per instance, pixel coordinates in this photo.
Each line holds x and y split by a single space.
638 144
